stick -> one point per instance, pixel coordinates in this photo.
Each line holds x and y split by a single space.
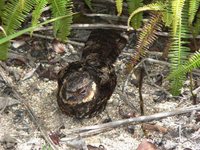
140 119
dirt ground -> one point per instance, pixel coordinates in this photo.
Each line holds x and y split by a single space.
18 131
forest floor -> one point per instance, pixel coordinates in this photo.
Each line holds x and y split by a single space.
31 119
28 87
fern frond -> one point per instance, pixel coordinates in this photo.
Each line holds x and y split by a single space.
61 8
4 50
14 14
119 6
159 6
193 7
179 52
146 38
196 28
38 11
167 14
88 3
2 3
177 10
137 19
26 30
192 63
66 23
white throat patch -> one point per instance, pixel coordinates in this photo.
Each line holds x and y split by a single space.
91 93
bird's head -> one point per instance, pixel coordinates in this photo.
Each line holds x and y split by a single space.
78 87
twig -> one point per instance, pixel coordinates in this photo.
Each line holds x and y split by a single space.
91 130
140 119
150 60
194 96
107 26
51 38
152 53
156 61
141 77
119 27
101 26
124 97
139 64
90 26
108 16
194 71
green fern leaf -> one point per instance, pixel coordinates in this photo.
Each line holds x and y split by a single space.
2 2
193 7
146 39
167 14
137 19
177 9
26 30
14 14
4 50
192 63
150 7
38 11
119 6
196 29
175 86
61 8
178 52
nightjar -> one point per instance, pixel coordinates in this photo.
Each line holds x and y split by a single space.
85 86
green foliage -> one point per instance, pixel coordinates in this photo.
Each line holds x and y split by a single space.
12 16
2 2
150 7
119 6
40 4
178 52
167 14
193 62
61 8
14 35
4 50
14 12
180 73
179 16
146 38
196 28
193 7
136 21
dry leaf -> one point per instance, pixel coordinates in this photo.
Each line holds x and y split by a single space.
58 47
145 145
157 128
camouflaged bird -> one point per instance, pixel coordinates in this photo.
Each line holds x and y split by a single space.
85 86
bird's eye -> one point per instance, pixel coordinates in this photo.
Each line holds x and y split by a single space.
71 98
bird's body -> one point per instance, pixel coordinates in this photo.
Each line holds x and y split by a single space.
85 86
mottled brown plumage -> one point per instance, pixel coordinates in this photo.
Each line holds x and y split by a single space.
85 86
